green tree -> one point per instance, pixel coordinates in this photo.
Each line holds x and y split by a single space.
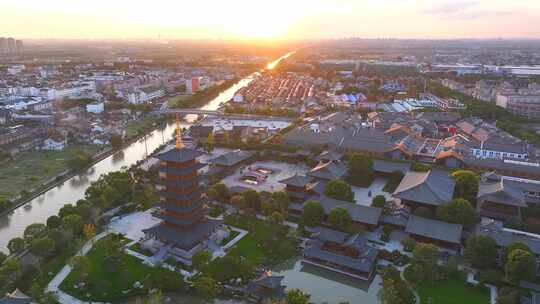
16 245
80 263
281 200
42 246
520 265
277 218
206 286
297 296
209 143
339 218
73 223
466 184
395 291
252 199
34 231
339 190
218 192
514 246
313 213
458 211
54 222
427 256
481 251
378 201
201 259
116 142
360 170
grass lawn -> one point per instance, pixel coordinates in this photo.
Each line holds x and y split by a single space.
106 283
34 168
248 248
173 101
452 291
140 126
231 236
137 248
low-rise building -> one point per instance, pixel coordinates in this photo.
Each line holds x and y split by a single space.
341 252
439 233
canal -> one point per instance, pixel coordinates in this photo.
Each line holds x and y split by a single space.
50 202
323 286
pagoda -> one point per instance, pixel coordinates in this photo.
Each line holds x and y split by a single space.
184 227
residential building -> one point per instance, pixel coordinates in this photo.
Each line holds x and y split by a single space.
95 107
523 105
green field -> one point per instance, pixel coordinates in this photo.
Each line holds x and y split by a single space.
173 101
113 284
248 248
140 126
452 291
34 168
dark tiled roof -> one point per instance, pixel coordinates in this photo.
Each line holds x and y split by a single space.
297 180
179 155
330 155
386 166
501 193
180 208
231 158
505 238
328 171
184 238
364 263
181 196
190 169
177 221
358 213
435 187
434 229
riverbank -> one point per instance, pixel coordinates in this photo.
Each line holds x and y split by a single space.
67 174
72 188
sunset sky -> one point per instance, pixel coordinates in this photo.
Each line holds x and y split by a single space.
275 19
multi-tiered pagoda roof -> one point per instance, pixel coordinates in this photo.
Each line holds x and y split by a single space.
184 222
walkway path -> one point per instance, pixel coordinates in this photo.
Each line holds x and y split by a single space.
401 274
55 283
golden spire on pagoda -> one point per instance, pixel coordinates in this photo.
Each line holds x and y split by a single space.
179 143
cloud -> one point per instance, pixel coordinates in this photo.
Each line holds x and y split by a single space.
464 10
451 7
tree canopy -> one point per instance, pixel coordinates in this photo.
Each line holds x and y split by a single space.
339 218
313 213
520 265
458 211
481 251
360 170
339 190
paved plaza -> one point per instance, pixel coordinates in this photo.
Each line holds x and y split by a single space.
281 171
361 194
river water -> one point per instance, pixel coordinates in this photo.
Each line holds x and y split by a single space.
323 286
50 202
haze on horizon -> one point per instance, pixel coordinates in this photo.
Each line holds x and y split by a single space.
277 19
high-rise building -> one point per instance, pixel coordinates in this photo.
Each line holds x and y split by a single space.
184 227
3 45
19 45
11 45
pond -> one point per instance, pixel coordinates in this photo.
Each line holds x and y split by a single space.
326 286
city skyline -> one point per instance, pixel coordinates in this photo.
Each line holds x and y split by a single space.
280 20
